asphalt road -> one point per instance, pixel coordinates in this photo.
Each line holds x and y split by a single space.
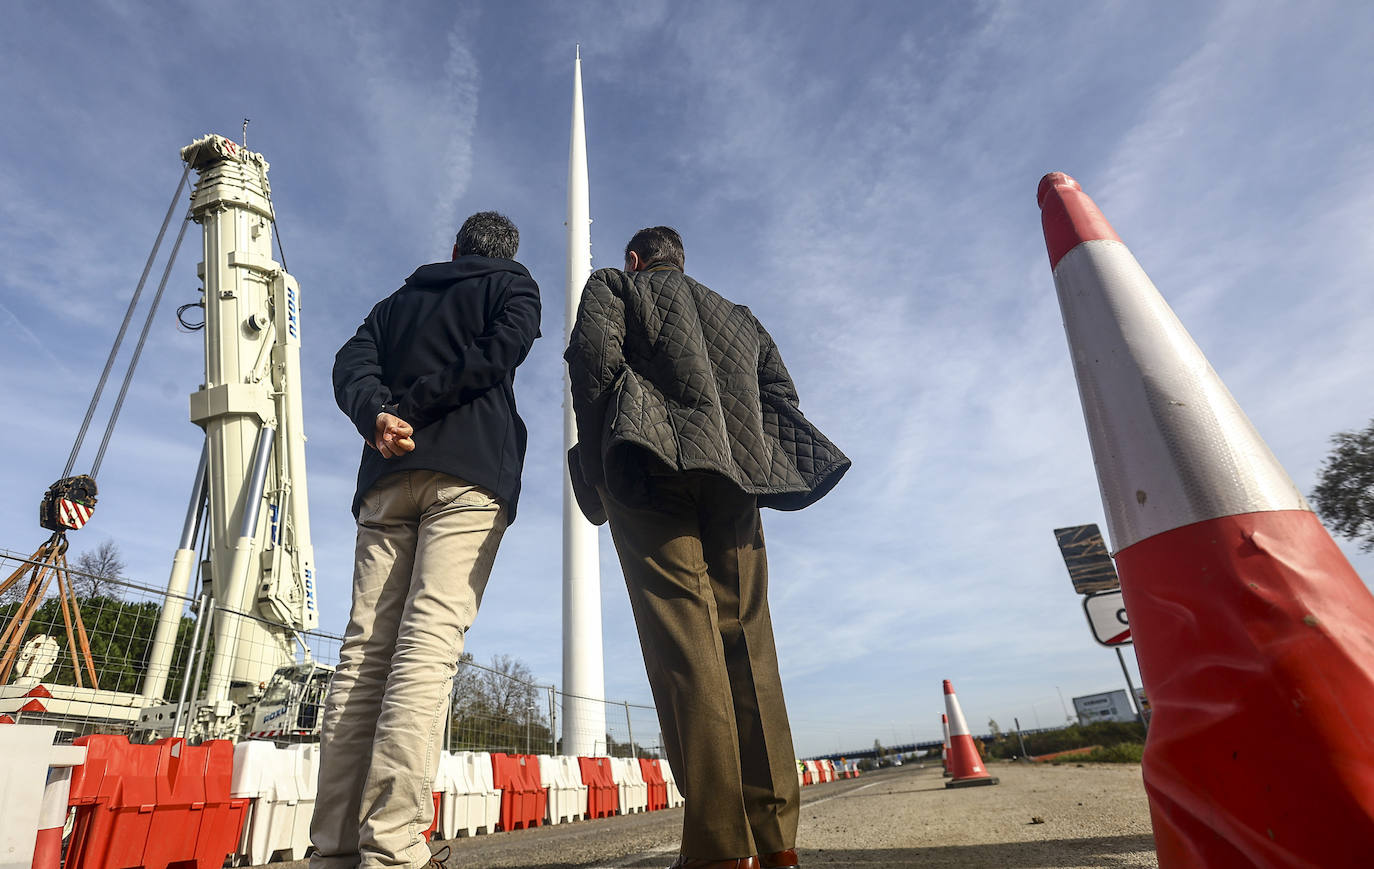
1090 816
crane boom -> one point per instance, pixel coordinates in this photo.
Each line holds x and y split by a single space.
260 560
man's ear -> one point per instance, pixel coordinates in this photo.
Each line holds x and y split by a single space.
455 251
632 262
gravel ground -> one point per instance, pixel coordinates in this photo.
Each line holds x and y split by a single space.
1092 815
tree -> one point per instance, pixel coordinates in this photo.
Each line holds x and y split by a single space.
1344 496
95 570
994 729
120 634
498 707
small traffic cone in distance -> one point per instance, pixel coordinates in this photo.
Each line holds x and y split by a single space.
1251 628
944 755
965 764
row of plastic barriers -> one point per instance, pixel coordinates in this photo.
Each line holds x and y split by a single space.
814 772
167 803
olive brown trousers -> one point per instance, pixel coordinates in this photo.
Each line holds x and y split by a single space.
693 557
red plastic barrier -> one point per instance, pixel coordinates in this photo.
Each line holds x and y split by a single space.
433 824
603 798
658 788
153 805
523 798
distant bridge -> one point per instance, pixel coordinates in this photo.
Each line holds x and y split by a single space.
911 747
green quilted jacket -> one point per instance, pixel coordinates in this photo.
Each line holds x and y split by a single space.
667 372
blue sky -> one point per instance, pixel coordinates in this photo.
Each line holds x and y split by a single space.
861 175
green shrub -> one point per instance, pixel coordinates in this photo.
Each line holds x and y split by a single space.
1103 733
1122 752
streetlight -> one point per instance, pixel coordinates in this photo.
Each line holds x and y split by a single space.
529 707
1035 710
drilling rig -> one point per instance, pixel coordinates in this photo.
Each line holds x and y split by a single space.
259 574
248 501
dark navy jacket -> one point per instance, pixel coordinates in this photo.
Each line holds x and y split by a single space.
441 354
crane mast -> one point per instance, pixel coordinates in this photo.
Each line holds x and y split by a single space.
260 563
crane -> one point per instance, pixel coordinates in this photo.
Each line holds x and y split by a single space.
249 495
251 488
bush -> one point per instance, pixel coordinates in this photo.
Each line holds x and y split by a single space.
1122 752
1103 733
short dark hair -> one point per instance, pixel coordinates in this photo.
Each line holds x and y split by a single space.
658 244
488 233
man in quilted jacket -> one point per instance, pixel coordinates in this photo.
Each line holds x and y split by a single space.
687 423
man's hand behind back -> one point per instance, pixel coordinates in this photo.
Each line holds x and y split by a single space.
393 436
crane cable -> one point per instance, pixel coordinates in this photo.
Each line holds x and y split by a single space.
138 349
128 316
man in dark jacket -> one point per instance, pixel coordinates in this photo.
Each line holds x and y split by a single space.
428 380
687 423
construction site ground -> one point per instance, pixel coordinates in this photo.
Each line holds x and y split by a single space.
1089 815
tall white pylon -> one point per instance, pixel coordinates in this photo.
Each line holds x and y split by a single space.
584 680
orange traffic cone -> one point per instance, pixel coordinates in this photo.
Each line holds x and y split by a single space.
944 755
1251 628
965 764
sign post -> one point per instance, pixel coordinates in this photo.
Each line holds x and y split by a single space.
1094 576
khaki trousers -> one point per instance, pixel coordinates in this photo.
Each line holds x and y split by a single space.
693 557
426 543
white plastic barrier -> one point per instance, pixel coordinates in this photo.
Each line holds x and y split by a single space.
567 795
674 795
463 801
815 770
305 766
829 767
281 783
34 772
630 785
470 802
575 776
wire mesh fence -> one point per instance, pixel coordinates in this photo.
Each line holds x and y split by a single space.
123 679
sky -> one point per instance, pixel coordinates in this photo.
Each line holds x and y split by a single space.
861 175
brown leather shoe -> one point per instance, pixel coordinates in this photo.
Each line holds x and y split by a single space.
781 860
693 863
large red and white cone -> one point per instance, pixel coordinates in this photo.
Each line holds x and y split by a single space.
1254 635
52 817
944 756
965 763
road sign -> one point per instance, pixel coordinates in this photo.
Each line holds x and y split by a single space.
1085 555
1106 612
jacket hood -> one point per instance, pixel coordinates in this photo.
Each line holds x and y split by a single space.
439 275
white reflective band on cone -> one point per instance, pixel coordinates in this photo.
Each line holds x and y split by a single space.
1170 444
957 725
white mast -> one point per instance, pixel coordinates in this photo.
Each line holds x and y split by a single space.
584 685
261 560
